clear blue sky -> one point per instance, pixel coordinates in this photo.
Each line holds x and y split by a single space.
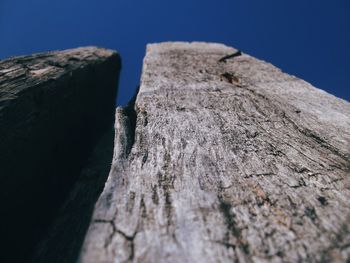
306 38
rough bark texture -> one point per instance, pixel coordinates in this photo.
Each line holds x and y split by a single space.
232 160
53 108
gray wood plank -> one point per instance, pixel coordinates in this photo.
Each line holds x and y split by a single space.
232 161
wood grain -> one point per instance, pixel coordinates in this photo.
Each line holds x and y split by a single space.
250 168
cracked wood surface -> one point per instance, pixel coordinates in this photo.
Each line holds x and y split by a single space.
232 161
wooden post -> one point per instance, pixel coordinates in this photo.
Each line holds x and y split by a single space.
232 161
53 108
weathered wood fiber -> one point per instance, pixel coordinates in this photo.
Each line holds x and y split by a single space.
53 108
233 161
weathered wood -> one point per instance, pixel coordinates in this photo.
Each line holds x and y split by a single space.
53 108
232 161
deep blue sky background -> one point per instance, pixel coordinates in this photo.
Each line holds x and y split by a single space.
306 38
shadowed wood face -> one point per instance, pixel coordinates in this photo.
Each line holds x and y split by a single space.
231 162
53 108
